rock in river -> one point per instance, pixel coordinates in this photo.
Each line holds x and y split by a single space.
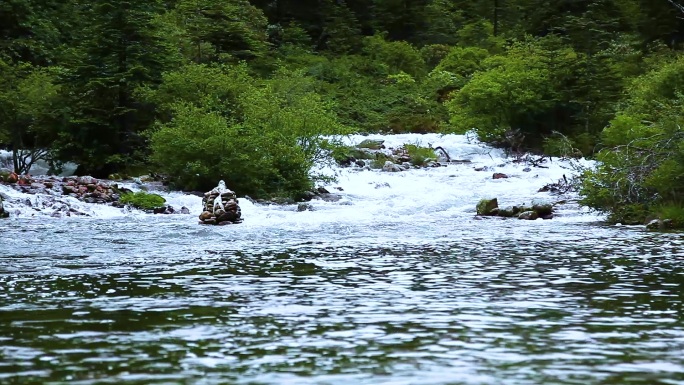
220 207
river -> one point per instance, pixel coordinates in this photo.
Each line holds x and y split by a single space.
396 283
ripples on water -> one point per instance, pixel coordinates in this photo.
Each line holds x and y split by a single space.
164 301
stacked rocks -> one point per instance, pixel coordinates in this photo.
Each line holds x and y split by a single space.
220 207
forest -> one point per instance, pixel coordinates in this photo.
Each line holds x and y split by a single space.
249 90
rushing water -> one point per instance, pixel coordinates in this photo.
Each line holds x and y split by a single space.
396 283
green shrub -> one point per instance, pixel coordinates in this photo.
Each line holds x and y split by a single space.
463 61
419 155
261 138
143 200
379 161
526 90
399 56
671 211
434 53
641 173
561 146
480 34
632 214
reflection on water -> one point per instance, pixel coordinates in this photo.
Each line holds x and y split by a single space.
536 303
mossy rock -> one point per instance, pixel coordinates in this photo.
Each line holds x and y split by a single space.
509 212
542 208
488 207
371 144
143 200
358 153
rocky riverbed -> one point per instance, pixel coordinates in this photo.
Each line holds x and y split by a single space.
56 196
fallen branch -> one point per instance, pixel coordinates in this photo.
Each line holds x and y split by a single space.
446 155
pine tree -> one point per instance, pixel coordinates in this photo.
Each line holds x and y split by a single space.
120 50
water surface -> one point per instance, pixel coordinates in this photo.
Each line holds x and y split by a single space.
390 285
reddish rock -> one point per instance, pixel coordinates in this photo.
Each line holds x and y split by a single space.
499 175
24 180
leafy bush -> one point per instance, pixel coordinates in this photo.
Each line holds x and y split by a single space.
379 160
434 53
399 56
480 34
143 200
561 146
419 155
260 137
673 212
642 168
518 91
463 61
383 100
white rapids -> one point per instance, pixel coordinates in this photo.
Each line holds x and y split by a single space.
370 197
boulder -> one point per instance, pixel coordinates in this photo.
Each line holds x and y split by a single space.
3 213
305 207
509 212
499 175
391 167
4 174
528 215
542 208
488 207
660 224
655 224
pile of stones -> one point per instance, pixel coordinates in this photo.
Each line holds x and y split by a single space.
220 207
490 207
84 188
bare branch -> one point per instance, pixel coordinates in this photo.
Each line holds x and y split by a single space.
677 5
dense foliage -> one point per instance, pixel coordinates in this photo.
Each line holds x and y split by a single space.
641 170
242 90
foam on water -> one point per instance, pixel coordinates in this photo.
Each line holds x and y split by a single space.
442 195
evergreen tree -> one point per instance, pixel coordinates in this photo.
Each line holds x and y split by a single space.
30 30
120 50
226 29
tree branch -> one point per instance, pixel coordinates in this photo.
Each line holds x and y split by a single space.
678 6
